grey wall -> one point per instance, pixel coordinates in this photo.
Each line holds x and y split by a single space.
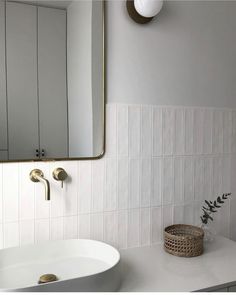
186 56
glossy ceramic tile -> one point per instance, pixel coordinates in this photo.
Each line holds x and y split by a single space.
160 164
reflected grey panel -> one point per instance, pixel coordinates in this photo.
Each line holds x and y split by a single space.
3 114
53 69
52 82
21 38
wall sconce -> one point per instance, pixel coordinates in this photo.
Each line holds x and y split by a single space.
143 11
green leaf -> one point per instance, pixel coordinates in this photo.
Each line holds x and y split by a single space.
224 197
210 218
207 209
220 201
204 220
213 210
216 205
208 204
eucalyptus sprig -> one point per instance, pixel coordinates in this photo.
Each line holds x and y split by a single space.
211 207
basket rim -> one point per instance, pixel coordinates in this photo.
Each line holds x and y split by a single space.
197 228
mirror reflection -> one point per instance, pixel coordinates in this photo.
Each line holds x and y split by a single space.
51 79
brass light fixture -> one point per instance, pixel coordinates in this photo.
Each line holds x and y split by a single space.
143 11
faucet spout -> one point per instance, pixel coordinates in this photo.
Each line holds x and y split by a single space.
47 187
37 175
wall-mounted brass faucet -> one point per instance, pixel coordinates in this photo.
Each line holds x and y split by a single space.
37 175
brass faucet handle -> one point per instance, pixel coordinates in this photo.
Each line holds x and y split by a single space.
59 174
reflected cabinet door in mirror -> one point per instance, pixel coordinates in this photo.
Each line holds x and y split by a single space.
51 80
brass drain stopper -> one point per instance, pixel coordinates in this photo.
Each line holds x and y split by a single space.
47 278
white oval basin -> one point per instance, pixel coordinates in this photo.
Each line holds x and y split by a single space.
80 265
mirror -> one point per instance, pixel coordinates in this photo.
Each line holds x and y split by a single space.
51 79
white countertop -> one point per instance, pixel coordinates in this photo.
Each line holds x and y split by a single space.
151 269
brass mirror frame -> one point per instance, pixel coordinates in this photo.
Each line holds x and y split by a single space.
104 107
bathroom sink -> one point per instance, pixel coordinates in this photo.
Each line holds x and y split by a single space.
79 265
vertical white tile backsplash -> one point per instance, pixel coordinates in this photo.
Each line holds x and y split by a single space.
11 234
156 225
178 180
178 214
145 229
168 181
42 230
207 132
111 130
167 216
70 227
160 164
217 176
26 232
111 228
72 186
134 127
168 121
134 181
84 187
226 174
122 234
156 197
122 130
208 178
198 131
110 200
217 136
198 178
146 131
133 228
123 183
189 128
97 226
188 214
188 179
56 229
10 192
179 132
197 211
84 226
157 131
98 178
227 131
146 182
26 193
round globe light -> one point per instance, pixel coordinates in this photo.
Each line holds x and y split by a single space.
148 8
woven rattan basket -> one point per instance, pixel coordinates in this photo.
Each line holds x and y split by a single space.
183 240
